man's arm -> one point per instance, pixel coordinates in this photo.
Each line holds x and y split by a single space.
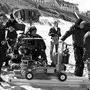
59 34
51 33
68 33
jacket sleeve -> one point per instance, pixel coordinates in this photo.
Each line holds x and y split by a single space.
51 32
59 34
68 33
8 23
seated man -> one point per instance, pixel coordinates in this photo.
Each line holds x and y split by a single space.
39 43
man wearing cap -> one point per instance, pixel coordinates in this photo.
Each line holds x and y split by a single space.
77 31
55 33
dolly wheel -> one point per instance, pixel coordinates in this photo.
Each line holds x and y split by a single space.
29 75
62 76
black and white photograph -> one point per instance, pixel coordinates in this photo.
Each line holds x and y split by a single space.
44 45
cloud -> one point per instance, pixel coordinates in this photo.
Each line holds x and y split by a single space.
83 5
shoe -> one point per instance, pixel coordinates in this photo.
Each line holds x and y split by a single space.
1 80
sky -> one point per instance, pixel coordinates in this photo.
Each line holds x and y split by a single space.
83 5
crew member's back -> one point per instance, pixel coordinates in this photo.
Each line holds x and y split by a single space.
87 44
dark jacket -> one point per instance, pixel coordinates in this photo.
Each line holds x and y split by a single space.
54 33
77 35
40 44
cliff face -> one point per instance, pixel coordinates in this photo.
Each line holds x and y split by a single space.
8 6
5 8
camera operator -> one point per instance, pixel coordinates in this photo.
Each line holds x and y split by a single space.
40 44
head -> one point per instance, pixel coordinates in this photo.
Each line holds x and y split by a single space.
56 24
82 24
33 30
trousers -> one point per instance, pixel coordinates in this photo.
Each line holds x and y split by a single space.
79 65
